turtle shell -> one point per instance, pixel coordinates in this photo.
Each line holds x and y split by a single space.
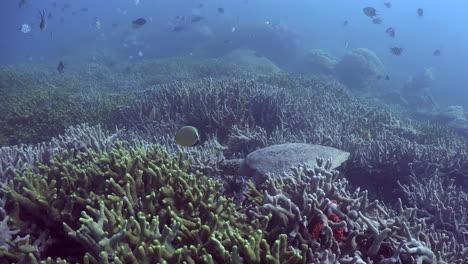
277 159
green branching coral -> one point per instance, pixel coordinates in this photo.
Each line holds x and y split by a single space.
33 110
136 205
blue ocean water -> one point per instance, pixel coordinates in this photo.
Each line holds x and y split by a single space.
318 24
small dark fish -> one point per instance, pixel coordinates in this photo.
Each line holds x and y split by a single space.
436 52
178 28
388 4
181 18
227 41
345 23
49 16
60 67
420 12
396 51
73 12
377 21
114 25
127 69
197 19
84 9
62 20
66 5
220 10
43 24
201 5
380 77
390 31
21 3
369 11
138 22
54 4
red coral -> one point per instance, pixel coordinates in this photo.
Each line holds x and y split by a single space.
338 233
314 229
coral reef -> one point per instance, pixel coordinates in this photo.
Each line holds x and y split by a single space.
359 68
277 42
34 110
94 195
16 159
320 62
417 91
250 61
455 117
214 106
278 109
315 207
132 205
162 71
137 204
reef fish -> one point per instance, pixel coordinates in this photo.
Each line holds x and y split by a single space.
377 20
43 23
138 22
396 51
436 52
369 11
97 23
187 136
60 67
197 19
420 12
21 3
390 31
25 28
178 28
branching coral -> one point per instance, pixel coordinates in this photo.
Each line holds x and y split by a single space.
214 106
302 206
35 110
137 204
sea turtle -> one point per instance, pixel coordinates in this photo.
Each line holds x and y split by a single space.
278 159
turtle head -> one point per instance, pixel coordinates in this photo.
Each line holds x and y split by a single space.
231 166
235 167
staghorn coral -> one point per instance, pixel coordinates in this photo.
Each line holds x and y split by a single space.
15 159
213 106
135 205
304 109
34 110
440 202
315 207
381 144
